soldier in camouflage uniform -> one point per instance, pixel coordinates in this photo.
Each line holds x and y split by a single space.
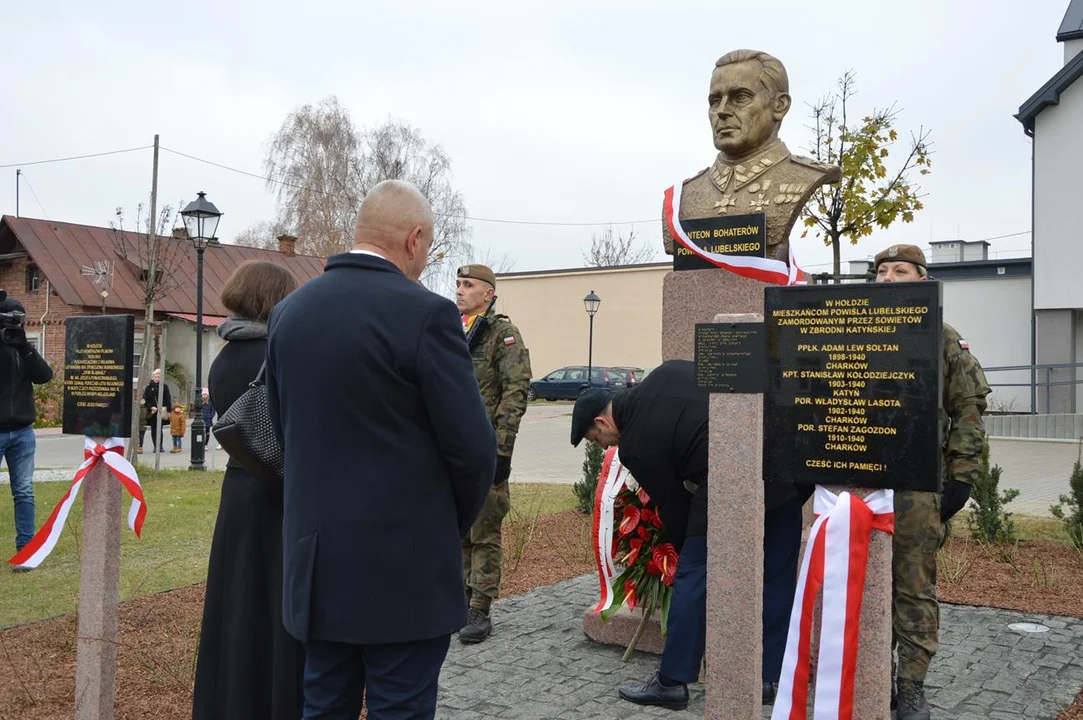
922 519
502 368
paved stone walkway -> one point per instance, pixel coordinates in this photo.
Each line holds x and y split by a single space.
539 665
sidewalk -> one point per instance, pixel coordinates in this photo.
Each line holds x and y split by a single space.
538 665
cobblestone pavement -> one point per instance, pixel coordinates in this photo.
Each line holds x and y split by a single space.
538 664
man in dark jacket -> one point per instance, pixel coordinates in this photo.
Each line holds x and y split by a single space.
660 428
21 367
389 456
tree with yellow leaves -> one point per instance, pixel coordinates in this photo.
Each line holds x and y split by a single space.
869 195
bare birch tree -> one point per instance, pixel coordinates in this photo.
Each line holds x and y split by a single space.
263 235
156 259
612 248
321 167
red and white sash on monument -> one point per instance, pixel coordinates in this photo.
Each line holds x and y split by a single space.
835 558
764 269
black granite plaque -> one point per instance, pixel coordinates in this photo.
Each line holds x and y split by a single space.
854 385
98 376
729 357
741 235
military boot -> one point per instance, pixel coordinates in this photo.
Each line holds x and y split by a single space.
911 701
478 627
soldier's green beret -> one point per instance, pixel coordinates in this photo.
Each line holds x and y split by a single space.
901 253
477 272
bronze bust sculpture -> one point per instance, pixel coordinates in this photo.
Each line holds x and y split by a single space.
754 171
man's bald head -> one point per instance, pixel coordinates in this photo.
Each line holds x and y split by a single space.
396 219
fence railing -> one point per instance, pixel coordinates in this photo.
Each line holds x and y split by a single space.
1047 369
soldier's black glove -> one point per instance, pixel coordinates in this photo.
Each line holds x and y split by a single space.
953 499
503 470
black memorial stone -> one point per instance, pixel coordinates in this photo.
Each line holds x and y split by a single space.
98 376
854 385
740 235
729 357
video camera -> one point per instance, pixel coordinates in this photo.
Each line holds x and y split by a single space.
11 324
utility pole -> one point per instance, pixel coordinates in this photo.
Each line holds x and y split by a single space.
147 359
18 172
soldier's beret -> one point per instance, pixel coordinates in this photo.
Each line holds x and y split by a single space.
901 253
477 272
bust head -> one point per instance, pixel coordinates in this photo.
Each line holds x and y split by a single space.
748 98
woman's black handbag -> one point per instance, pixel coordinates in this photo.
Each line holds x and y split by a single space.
244 431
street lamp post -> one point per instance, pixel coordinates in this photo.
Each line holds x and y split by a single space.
201 221
591 302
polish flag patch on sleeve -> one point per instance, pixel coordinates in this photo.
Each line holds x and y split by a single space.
964 344
509 340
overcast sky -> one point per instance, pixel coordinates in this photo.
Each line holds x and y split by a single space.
566 112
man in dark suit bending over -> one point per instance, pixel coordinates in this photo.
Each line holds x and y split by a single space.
389 456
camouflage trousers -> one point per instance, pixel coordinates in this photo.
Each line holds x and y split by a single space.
483 551
915 612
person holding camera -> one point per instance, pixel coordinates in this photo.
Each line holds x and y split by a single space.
21 367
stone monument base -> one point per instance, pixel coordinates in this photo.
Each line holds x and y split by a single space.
620 628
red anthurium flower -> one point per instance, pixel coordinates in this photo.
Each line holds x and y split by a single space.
665 557
644 534
653 566
633 554
630 521
646 516
657 520
643 496
630 594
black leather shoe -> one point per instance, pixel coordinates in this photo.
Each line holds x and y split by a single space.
478 627
770 692
653 692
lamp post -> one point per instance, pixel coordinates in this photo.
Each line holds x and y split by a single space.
591 302
201 221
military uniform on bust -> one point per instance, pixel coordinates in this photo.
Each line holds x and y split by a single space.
772 182
502 369
922 519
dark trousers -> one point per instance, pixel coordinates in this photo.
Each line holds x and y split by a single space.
397 681
687 621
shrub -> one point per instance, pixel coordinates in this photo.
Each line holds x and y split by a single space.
1073 520
586 488
989 522
49 399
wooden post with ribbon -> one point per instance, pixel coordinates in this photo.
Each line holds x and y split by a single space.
97 404
99 596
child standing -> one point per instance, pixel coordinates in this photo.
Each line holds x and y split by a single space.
176 426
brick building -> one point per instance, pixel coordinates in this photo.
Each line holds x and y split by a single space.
49 267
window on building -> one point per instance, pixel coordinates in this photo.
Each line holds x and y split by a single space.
33 278
35 341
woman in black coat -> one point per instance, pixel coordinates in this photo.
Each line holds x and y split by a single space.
150 402
248 665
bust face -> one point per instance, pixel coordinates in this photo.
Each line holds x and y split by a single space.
744 114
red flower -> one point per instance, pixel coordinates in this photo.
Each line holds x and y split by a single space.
644 533
633 554
643 496
664 557
646 516
630 521
653 566
630 594
657 521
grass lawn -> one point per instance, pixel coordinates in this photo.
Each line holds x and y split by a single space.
176 543
181 508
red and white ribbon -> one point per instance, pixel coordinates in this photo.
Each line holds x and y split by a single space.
111 452
610 482
835 558
766 270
